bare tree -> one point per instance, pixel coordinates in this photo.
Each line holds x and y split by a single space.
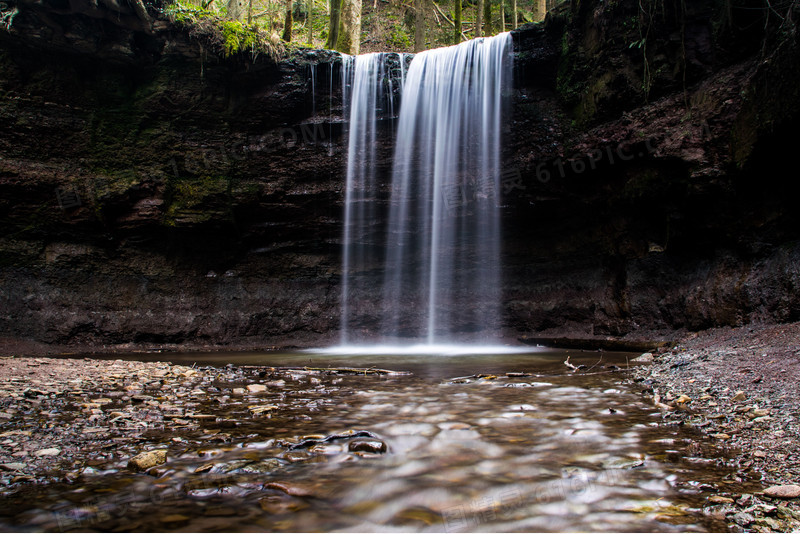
310 20
333 26
479 19
541 10
419 25
235 9
350 28
457 21
287 22
514 14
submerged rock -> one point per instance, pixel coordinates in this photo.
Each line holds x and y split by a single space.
374 446
145 460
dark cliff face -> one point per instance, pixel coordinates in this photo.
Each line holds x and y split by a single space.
164 194
653 202
153 191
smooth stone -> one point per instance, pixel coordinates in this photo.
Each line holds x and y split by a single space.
719 499
260 468
789 491
48 452
13 466
647 357
374 446
290 489
256 388
145 460
739 396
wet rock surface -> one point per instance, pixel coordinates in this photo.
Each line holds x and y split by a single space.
431 449
738 387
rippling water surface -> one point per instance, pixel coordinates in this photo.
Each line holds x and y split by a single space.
504 442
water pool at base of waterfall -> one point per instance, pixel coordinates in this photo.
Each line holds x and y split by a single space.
465 442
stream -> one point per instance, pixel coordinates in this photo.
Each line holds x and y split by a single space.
506 442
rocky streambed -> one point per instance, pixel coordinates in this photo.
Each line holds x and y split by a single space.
299 442
739 387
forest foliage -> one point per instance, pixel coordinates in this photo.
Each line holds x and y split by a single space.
356 26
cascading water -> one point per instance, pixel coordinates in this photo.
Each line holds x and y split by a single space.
440 272
368 96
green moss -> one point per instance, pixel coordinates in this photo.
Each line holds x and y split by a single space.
231 36
195 200
237 38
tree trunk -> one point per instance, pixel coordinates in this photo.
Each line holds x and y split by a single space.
541 10
287 22
235 11
457 21
249 12
479 19
514 14
419 25
350 30
502 22
488 30
310 20
333 28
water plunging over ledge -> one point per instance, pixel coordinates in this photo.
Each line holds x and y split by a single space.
440 273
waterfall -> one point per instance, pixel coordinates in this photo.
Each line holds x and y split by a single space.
368 96
437 276
313 72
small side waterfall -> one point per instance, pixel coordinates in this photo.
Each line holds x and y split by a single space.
368 94
440 274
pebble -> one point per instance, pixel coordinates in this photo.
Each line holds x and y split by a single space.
789 491
145 460
647 357
719 499
256 388
739 396
259 410
743 519
721 435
